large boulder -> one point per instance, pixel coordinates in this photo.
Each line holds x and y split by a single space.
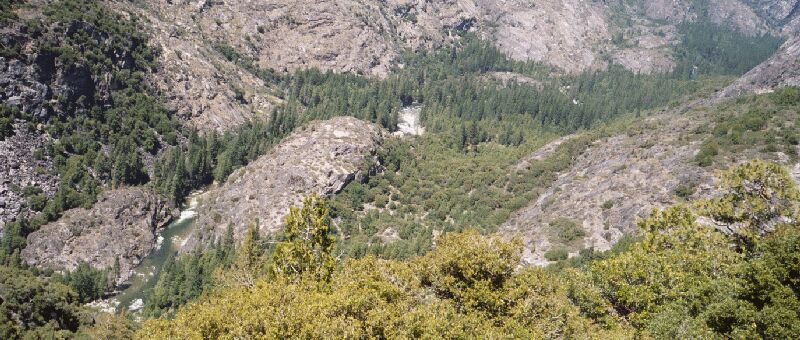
123 225
321 158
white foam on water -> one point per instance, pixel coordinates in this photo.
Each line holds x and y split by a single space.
136 305
187 214
408 122
159 242
108 306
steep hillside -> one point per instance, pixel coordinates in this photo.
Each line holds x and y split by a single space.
559 122
27 176
77 110
659 162
322 157
201 85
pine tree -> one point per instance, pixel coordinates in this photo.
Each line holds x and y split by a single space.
229 243
115 270
249 256
307 247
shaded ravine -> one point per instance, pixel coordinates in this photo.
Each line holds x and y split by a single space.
146 274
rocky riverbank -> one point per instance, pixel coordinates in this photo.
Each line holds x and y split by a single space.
123 225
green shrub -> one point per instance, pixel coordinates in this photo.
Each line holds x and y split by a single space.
685 190
31 190
787 96
381 200
567 229
556 254
7 115
37 202
708 151
88 282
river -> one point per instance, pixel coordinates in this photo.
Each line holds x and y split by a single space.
145 275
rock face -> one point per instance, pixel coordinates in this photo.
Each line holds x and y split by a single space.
564 33
749 16
321 157
23 164
776 12
635 172
199 84
212 92
341 35
123 225
20 88
622 178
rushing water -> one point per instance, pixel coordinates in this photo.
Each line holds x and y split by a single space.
146 274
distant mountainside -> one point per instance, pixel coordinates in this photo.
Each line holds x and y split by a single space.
211 47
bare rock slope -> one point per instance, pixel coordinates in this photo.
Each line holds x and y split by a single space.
321 158
199 84
616 181
621 179
123 225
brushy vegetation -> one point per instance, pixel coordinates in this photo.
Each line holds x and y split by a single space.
766 125
432 187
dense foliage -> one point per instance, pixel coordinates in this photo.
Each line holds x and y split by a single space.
428 185
129 120
107 118
35 306
467 286
184 278
204 159
90 284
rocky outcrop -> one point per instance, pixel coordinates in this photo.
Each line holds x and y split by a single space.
212 92
346 36
751 17
321 157
670 10
614 183
123 225
20 88
563 33
782 69
738 15
202 87
25 165
622 178
777 12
